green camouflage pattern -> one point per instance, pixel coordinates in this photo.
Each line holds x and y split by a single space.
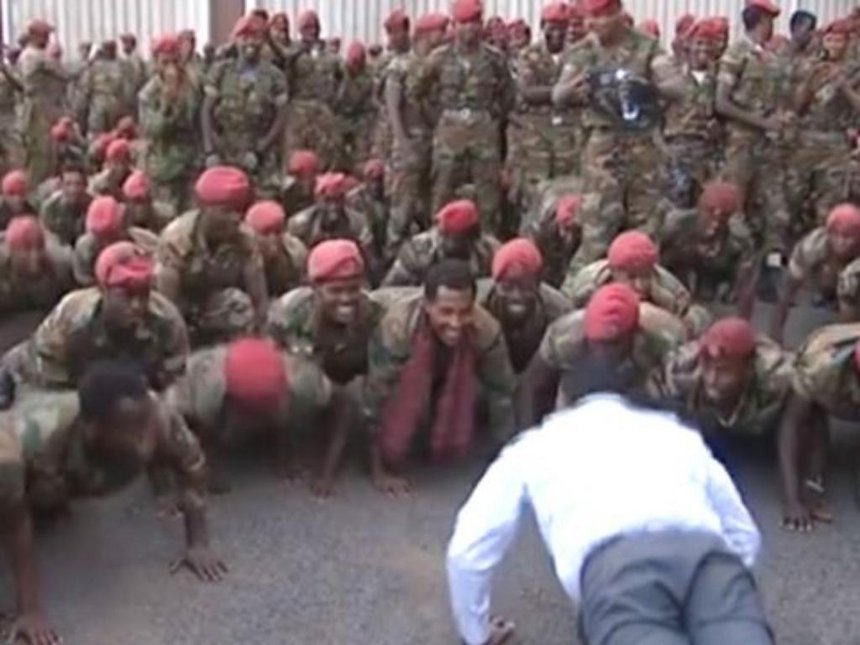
825 371
64 219
102 94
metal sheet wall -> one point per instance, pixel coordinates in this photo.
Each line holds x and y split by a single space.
362 19
96 20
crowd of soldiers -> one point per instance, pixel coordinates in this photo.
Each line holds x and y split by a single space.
410 248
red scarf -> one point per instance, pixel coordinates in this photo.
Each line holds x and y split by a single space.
454 421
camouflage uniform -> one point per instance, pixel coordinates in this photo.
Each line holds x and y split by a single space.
544 142
848 288
391 344
88 247
74 335
171 129
813 264
760 404
313 78
40 292
293 198
284 263
151 215
213 297
7 212
376 213
103 90
135 74
108 182
381 138
63 219
825 372
11 152
523 341
667 292
45 463
310 228
758 82
295 324
246 102
475 92
356 111
425 249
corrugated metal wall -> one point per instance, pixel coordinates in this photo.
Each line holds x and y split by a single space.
96 20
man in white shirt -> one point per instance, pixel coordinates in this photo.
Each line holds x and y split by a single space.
653 541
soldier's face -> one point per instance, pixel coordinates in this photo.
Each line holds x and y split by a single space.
310 32
803 32
606 28
639 281
221 223
74 186
458 245
128 436
339 299
125 308
249 47
128 46
554 34
576 29
332 210
28 261
398 39
835 46
450 314
843 246
700 52
724 379
519 297
469 33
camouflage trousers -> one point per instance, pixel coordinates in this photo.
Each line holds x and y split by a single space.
356 133
221 317
754 163
408 187
103 116
691 162
466 148
35 128
381 140
311 125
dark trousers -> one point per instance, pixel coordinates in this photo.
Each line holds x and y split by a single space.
669 588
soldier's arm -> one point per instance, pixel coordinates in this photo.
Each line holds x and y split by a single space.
427 75
731 68
401 273
10 77
176 351
572 87
667 77
393 103
50 346
340 416
527 85
82 265
796 418
500 384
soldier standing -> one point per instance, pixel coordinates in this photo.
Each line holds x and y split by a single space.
397 32
355 108
11 152
135 72
102 92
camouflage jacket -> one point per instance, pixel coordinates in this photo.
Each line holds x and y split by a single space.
296 324
535 66
172 131
309 226
828 110
44 81
45 463
284 262
355 97
103 83
418 113
42 291
425 249
848 286
293 197
63 219
693 116
825 371
313 75
812 262
88 247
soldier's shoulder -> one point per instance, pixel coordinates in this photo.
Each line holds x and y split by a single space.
423 242
566 334
295 302
399 320
678 221
555 303
78 306
181 227
488 330
144 238
667 329
385 297
163 308
830 339
150 89
737 51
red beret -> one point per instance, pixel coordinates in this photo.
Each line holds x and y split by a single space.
632 251
684 24
248 26
118 150
729 338
598 8
467 10
720 198
356 55
223 186
845 219
555 12
166 45
105 218
39 28
24 232
266 217
303 162
725 24
374 169
611 313
709 29
15 183
518 257
335 260
307 18
431 22
254 372
331 184
137 186
397 20
650 28
566 209
766 6
99 145
124 265
843 26
457 217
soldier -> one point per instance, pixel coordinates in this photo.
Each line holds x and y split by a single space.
64 212
59 446
430 359
43 101
411 122
818 260
244 110
369 198
397 47
355 108
102 92
544 142
140 209
189 58
169 105
750 88
300 183
14 201
313 76
35 270
279 34
804 45
576 28
614 326
457 234
330 217
106 223
284 255
633 259
120 318
516 297
710 248
135 72
620 159
473 86
519 35
11 151
332 46
67 146
209 264
116 169
496 34
557 233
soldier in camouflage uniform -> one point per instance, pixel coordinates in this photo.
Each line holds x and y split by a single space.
369 198
544 142
209 264
297 192
313 76
134 70
430 358
633 260
398 45
141 209
169 105
64 212
457 234
116 169
11 150
330 217
14 200
102 92
244 110
475 92
355 108
284 255
56 447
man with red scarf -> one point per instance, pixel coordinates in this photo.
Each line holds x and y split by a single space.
429 359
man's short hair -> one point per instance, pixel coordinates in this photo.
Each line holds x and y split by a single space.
800 17
106 383
451 274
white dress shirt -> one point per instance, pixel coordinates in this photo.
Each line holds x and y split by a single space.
591 473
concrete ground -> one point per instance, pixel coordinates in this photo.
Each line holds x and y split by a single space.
361 569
